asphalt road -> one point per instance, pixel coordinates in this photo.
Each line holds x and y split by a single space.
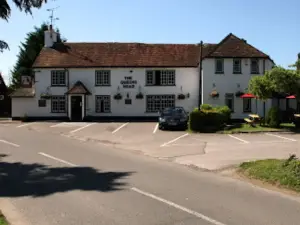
51 179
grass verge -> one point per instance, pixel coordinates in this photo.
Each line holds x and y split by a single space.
282 173
246 128
3 220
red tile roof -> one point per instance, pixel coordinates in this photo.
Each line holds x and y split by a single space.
66 55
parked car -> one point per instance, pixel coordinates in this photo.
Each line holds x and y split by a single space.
173 117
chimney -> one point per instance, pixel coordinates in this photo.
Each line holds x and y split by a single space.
50 37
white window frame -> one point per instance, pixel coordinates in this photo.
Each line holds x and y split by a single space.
219 60
167 78
156 103
237 67
58 78
245 102
106 103
254 70
229 96
102 78
58 104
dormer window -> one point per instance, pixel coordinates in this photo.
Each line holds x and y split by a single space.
254 66
219 66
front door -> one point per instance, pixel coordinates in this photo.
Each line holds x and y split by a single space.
76 108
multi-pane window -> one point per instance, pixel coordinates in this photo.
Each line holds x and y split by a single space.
229 101
156 103
102 78
58 104
160 77
102 103
58 78
237 66
254 66
246 104
219 67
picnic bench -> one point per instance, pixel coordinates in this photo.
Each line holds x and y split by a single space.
253 119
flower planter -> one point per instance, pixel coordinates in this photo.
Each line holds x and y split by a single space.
45 97
239 94
214 94
139 96
118 97
181 96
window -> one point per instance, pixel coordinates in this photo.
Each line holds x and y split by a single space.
237 66
58 78
102 103
219 65
155 103
102 78
160 77
42 103
246 104
58 104
127 101
229 101
254 66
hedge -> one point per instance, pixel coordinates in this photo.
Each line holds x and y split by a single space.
209 118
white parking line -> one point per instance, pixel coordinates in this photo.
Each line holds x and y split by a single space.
274 135
58 124
57 159
242 140
169 142
155 128
81 128
120 127
9 143
25 124
182 208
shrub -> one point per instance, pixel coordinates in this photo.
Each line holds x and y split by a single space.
209 118
274 117
206 107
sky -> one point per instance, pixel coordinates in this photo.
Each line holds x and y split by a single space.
273 26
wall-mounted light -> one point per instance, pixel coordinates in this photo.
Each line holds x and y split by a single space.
213 85
130 71
238 85
127 95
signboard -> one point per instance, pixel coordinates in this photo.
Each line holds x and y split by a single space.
128 82
26 81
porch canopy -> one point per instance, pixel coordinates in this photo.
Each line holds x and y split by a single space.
291 97
247 95
78 88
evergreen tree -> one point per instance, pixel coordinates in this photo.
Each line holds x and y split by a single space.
29 50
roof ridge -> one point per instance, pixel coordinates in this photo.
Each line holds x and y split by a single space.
144 43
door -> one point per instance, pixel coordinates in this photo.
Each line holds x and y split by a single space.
76 108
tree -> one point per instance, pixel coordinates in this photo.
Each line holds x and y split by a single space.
29 50
277 80
25 5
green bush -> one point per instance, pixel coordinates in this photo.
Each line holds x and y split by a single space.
206 107
274 117
209 120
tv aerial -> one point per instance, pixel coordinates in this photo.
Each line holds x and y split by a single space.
52 17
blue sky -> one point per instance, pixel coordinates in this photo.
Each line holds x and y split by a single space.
270 25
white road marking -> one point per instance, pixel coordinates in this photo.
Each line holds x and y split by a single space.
9 143
169 142
155 128
81 128
242 140
274 135
182 208
25 124
57 159
120 127
58 124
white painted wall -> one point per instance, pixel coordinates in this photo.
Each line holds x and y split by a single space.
187 81
231 83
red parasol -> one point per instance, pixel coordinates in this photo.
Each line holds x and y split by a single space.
291 97
248 95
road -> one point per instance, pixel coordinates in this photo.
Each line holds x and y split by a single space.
51 179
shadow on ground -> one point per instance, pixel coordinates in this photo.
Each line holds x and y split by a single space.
37 180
